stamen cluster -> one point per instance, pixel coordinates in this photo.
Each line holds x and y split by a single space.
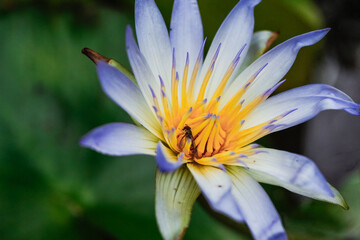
202 131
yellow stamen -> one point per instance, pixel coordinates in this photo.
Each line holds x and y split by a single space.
200 127
196 121
213 105
184 118
252 137
229 117
227 75
208 75
236 98
174 93
201 140
204 83
166 107
195 72
184 96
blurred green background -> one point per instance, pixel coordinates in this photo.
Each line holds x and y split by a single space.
50 188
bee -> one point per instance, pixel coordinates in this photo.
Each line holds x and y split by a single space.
188 134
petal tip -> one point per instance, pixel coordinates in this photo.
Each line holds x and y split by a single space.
311 38
342 202
91 140
345 205
338 199
84 141
128 28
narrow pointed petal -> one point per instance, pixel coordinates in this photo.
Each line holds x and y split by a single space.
166 159
120 139
234 33
278 60
153 38
293 172
259 213
140 67
176 193
306 102
260 42
186 34
128 96
215 184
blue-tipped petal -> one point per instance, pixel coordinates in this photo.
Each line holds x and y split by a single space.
166 159
258 211
127 95
186 34
215 184
153 38
279 60
308 101
235 32
119 139
293 172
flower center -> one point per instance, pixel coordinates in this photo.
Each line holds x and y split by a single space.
201 136
205 131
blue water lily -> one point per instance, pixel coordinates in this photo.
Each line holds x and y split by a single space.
200 118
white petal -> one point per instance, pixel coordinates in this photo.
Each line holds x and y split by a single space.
303 103
186 34
259 213
233 34
176 193
128 96
119 139
278 60
140 67
153 38
166 159
215 184
293 172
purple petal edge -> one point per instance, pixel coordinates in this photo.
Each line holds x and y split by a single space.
163 163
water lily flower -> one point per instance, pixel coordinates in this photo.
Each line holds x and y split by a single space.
200 118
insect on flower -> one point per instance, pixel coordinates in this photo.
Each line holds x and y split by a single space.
200 118
187 137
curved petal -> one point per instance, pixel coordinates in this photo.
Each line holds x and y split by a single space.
278 60
176 193
120 139
166 159
215 184
260 42
259 213
304 103
234 33
128 96
186 32
293 172
153 38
